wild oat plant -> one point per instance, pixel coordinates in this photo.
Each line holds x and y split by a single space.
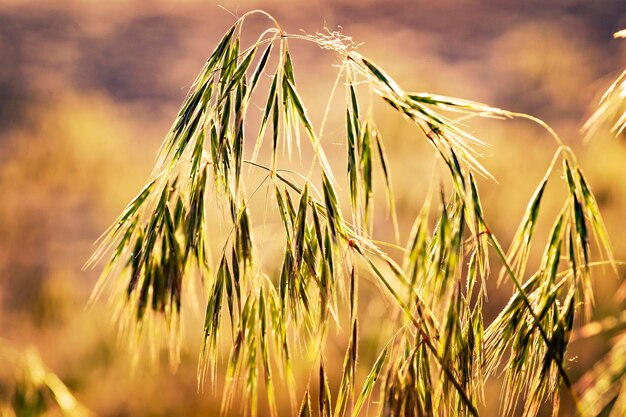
604 386
258 313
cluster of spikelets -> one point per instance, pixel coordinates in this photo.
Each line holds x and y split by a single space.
604 386
440 354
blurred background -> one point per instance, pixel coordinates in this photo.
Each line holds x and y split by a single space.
88 90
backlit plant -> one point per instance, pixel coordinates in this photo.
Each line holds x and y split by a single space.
214 165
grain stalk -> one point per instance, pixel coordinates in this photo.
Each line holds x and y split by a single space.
442 352
604 386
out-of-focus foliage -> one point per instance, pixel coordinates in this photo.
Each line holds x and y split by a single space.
612 109
36 390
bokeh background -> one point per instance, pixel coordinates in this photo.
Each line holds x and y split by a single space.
88 90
